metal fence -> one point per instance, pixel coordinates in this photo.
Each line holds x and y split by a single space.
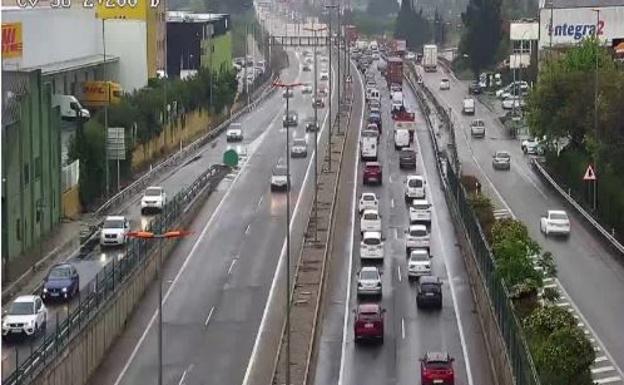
109 280
517 349
70 175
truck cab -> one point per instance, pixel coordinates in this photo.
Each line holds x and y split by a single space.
70 107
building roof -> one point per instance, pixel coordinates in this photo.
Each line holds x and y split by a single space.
580 3
73 64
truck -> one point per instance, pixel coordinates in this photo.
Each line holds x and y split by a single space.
70 107
404 119
430 57
98 93
362 45
351 34
394 70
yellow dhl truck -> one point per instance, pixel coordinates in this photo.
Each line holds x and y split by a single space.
94 93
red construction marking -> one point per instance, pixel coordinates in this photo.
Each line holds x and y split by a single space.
589 173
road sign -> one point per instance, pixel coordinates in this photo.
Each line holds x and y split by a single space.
230 158
116 143
589 173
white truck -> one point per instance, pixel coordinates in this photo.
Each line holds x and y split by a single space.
397 100
70 107
430 57
368 146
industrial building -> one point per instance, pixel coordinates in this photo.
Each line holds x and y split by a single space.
196 41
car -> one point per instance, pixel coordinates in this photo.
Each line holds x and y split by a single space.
401 138
310 125
417 237
368 201
299 148
372 173
419 211
318 102
372 246
374 117
369 281
415 187
429 292
290 120
555 222
374 104
477 128
445 84
532 146
26 315
468 106
324 76
234 133
369 322
370 221
288 93
374 110
407 159
419 263
511 102
154 198
501 160
371 83
437 368
306 67
474 88
61 282
515 88
324 59
279 178
114 231
323 92
306 89
394 87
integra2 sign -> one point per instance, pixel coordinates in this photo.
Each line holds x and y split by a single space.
578 31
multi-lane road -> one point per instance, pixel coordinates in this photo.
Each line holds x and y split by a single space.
590 272
409 332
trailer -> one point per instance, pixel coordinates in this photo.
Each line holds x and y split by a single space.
394 71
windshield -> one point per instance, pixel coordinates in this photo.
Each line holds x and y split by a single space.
419 257
502 155
370 216
368 198
415 183
368 274
152 192
113 224
22 308
430 287
559 217
407 154
61 272
418 232
280 171
420 206
372 241
299 142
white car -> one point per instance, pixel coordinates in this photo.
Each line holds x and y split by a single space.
513 102
369 281
370 221
531 146
415 187
420 211
372 246
445 84
26 315
306 89
299 148
114 231
419 263
368 201
234 132
279 178
477 128
154 197
324 76
555 222
417 237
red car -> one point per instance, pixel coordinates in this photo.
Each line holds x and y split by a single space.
437 368
369 322
372 173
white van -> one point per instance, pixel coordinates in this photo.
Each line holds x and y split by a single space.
374 95
469 106
397 100
69 106
401 138
368 148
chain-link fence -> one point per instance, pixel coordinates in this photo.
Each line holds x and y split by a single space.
109 280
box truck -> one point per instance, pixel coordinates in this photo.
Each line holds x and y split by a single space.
430 57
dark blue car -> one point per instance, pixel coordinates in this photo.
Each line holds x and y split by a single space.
62 282
375 117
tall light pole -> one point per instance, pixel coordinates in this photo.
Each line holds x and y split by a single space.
159 236
289 91
106 176
316 128
596 100
330 7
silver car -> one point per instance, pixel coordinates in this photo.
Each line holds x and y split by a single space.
501 160
369 281
299 148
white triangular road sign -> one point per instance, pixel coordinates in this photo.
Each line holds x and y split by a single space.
589 173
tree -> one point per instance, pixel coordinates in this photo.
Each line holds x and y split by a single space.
483 34
412 26
88 145
382 8
439 29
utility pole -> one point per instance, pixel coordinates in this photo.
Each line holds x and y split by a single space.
245 62
596 101
106 176
329 44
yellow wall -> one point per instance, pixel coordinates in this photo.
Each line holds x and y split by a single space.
196 125
71 203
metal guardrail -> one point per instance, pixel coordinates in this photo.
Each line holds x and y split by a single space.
509 325
608 236
110 279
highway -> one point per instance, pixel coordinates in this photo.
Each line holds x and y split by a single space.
409 332
589 271
213 305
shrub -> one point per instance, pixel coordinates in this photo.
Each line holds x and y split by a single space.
484 210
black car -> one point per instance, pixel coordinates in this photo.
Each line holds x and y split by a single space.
429 292
62 282
407 159
474 88
374 117
310 125
291 120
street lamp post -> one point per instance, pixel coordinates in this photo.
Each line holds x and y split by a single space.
159 236
288 88
596 100
330 7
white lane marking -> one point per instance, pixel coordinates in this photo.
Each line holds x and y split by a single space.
202 234
345 326
392 202
402 328
603 369
460 326
390 178
261 198
396 234
601 358
184 374
399 273
209 316
608 380
231 266
282 258
247 229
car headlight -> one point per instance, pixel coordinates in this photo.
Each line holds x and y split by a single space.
64 290
45 290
